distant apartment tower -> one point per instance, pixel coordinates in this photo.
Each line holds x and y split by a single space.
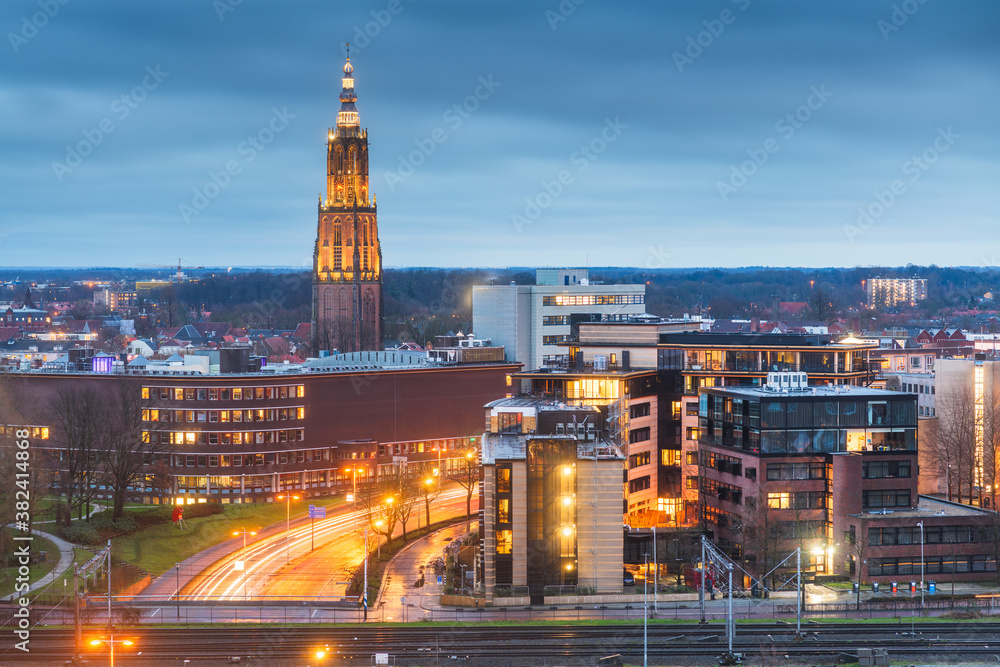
530 321
551 497
891 292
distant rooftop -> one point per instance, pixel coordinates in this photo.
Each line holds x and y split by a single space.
927 507
710 338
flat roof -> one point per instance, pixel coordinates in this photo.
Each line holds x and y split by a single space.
928 507
819 391
709 338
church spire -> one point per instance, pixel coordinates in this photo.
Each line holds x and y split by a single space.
347 118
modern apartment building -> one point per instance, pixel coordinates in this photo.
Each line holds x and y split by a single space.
551 499
531 321
782 465
892 292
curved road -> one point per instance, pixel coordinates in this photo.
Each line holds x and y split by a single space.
276 568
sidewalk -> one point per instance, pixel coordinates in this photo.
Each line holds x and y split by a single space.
402 572
65 562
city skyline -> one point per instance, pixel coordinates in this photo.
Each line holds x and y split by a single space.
504 135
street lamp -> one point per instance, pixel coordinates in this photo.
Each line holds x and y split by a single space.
288 498
111 645
921 524
177 571
241 565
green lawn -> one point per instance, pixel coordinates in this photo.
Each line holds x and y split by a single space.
8 575
157 548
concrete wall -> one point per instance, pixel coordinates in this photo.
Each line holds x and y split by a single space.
598 528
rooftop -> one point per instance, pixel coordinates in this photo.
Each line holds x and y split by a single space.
742 340
928 507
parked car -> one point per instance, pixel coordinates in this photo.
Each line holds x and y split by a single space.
627 578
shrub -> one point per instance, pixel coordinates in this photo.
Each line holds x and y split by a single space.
81 534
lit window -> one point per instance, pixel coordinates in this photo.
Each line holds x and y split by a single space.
778 501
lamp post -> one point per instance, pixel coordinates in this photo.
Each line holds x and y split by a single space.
645 612
111 645
427 500
921 524
177 572
378 537
656 586
288 498
243 563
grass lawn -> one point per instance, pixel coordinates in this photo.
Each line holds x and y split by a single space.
157 548
8 575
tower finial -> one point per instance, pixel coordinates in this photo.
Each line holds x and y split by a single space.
348 51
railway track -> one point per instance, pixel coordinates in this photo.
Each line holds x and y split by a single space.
421 644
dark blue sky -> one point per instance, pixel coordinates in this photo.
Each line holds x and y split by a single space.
725 133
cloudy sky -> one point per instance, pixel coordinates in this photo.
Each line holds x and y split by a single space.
646 134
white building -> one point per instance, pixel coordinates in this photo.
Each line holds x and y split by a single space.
531 320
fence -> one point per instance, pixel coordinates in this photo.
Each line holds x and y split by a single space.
316 612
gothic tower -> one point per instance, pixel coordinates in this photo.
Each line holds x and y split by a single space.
347 259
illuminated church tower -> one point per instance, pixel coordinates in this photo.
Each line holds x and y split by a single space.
347 260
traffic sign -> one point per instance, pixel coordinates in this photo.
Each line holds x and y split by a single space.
317 512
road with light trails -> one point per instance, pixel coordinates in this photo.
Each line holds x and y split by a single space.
310 574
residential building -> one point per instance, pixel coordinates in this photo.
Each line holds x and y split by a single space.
892 292
347 257
551 499
531 321
782 465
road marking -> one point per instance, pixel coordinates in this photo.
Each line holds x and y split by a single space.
155 612
313 615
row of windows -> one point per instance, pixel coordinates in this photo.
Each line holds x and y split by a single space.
240 460
779 471
222 416
640 484
799 500
638 410
38 432
555 320
640 459
932 535
224 393
878 498
638 435
555 340
884 469
228 438
932 565
592 299
722 491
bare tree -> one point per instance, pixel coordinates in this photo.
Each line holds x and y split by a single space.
430 488
762 534
131 442
857 543
467 476
78 423
379 512
953 451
